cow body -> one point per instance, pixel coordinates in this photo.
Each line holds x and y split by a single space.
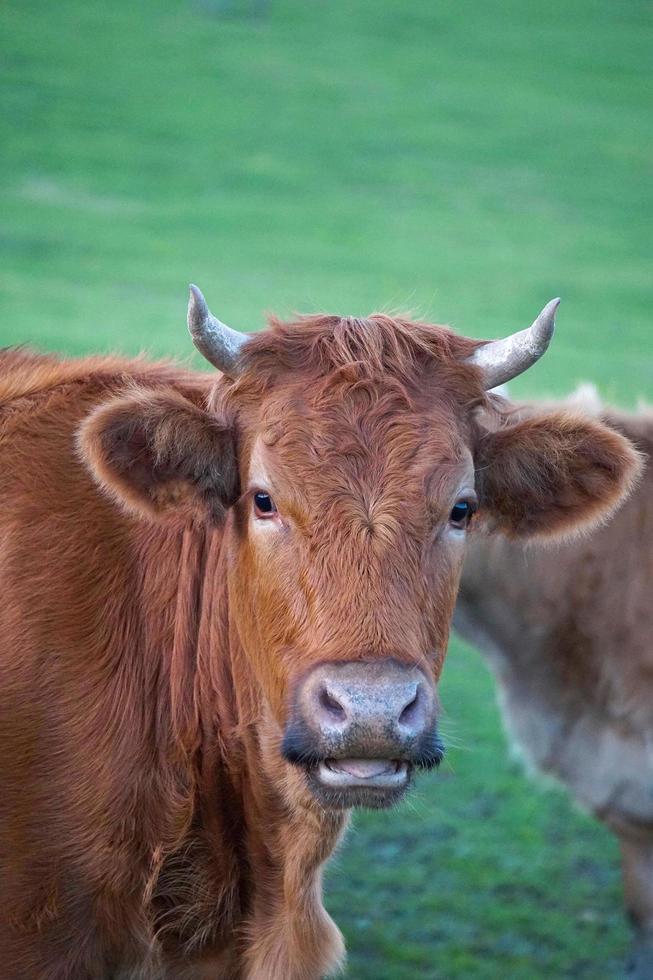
225 606
567 632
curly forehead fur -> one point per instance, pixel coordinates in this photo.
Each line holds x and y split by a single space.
328 350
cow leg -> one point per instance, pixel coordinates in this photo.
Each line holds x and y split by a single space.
290 935
637 862
298 942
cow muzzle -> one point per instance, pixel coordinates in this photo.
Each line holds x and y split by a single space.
360 728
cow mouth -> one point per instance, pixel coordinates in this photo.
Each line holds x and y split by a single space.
380 773
371 783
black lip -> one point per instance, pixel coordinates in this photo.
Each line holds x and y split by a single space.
301 748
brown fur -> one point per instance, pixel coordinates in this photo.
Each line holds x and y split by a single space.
149 826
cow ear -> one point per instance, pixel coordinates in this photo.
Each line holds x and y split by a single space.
156 453
553 475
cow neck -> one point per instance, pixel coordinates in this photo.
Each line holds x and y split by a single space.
219 712
219 681
266 836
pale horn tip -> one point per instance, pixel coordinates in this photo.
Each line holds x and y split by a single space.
198 311
543 327
502 360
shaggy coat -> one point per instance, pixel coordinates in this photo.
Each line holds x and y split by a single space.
151 635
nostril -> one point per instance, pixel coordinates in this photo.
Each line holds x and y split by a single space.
411 715
331 705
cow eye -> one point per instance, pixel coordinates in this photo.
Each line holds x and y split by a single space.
461 513
264 505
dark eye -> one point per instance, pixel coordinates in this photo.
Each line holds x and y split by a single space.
264 505
461 513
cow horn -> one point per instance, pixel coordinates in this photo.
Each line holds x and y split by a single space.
502 360
217 342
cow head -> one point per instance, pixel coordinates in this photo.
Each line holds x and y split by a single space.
352 456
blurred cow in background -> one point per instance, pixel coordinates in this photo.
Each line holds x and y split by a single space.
568 632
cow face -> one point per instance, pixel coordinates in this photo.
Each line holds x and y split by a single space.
352 456
348 541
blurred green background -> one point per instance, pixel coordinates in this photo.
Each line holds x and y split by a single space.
466 161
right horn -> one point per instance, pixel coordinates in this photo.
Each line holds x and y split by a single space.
502 360
217 342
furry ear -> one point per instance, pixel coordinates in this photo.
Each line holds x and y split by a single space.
553 474
156 453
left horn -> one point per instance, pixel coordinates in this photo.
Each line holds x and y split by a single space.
502 360
217 342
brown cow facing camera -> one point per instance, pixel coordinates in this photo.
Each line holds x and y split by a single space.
225 606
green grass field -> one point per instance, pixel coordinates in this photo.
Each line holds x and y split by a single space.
466 161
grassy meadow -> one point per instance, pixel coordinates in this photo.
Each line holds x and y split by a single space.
465 161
